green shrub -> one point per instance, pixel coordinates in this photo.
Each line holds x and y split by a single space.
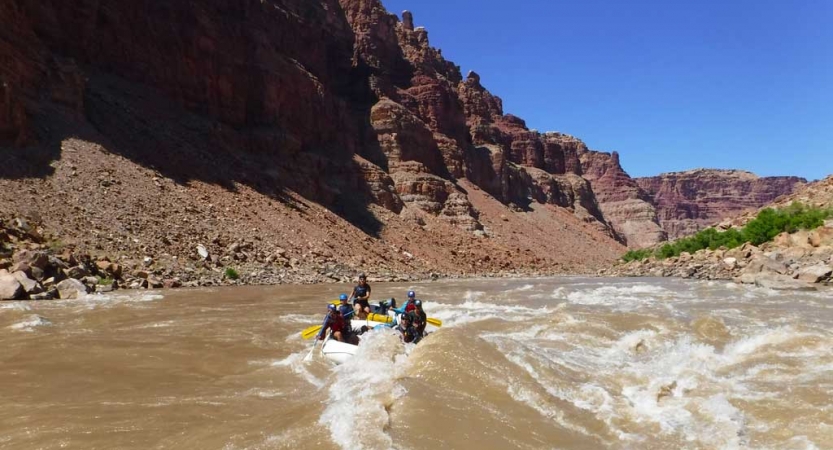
105 281
639 254
768 224
232 274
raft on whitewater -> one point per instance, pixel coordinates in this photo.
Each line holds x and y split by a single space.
338 352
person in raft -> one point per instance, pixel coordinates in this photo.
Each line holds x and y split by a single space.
346 311
334 323
361 297
409 304
420 318
406 329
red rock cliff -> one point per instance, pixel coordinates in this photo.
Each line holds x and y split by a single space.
690 201
336 102
622 201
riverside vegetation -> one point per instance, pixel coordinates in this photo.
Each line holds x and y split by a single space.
768 224
784 248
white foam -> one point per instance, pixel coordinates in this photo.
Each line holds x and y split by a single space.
620 298
363 389
295 362
300 318
31 323
475 311
15 306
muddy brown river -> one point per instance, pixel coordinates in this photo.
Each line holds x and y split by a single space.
552 363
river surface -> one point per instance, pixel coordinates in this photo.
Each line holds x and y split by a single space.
551 363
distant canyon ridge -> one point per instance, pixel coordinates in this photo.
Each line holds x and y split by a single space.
304 140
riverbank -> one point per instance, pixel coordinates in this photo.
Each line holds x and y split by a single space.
802 260
35 265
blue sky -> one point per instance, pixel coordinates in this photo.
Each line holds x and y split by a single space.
670 85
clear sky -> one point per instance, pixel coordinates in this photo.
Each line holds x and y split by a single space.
670 85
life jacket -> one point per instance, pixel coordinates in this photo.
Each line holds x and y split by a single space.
335 323
360 290
408 334
410 306
346 315
419 319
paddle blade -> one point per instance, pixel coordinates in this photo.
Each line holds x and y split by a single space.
435 322
311 332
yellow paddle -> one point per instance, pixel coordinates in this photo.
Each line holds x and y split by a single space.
311 332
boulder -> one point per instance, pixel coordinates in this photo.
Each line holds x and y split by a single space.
172 283
21 266
730 263
760 263
77 272
32 258
781 282
71 288
141 274
10 287
815 274
37 273
202 251
29 286
48 295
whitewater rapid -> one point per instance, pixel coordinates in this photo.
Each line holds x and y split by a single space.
519 363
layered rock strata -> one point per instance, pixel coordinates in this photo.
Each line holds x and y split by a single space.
628 208
689 201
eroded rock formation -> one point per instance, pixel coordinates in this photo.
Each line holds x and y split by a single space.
689 201
628 208
335 102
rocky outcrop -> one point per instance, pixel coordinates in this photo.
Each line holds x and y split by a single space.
687 202
802 261
625 205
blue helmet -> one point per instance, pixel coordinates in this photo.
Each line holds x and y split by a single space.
411 294
331 307
343 297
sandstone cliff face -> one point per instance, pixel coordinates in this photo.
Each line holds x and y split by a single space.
252 113
690 201
430 125
622 201
519 165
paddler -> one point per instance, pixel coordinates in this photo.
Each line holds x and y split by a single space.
409 305
334 323
406 329
361 297
346 312
420 318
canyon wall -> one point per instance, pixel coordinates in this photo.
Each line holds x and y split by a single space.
689 201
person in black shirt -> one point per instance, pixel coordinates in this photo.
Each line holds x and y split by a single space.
361 297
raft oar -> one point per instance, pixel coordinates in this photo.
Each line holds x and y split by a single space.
311 332
316 332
